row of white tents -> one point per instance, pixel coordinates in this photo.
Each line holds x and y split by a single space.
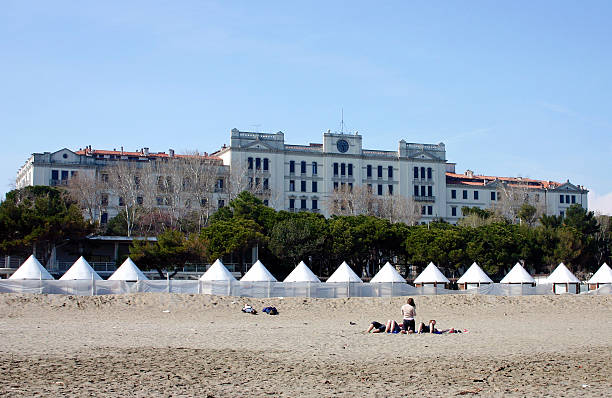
561 279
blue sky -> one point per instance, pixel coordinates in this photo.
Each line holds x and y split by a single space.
514 89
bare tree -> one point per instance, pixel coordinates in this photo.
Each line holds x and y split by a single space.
511 197
398 208
200 177
88 190
125 180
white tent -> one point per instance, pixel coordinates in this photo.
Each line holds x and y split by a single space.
387 273
128 271
563 280
601 277
80 270
217 272
518 275
431 275
344 273
473 277
258 273
31 269
301 273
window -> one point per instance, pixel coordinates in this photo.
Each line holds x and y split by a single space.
291 166
250 160
121 201
475 195
492 195
221 203
292 203
257 181
416 190
258 163
416 172
303 204
266 164
573 198
430 191
291 185
315 204
335 185
350 169
303 186
369 170
104 200
220 183
453 194
335 169
266 202
422 172
422 190
454 211
55 174
562 213
104 177
139 200
342 169
567 199
65 176
429 210
423 208
429 173
314 168
203 202
350 186
104 218
250 182
370 188
314 186
380 189
73 173
390 172
537 197
379 171
266 184
465 194
303 167
390 189
561 197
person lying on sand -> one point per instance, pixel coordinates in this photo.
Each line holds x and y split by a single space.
248 309
431 328
390 327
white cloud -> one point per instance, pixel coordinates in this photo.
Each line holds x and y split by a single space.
600 203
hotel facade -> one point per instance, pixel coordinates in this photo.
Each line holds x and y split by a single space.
310 177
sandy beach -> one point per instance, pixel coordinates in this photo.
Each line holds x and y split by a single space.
162 345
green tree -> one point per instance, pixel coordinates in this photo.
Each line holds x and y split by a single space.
38 218
170 252
527 214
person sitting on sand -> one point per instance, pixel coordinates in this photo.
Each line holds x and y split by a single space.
408 314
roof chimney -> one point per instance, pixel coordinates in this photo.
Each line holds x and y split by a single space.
171 152
145 151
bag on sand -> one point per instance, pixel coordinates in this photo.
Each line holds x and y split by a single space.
270 310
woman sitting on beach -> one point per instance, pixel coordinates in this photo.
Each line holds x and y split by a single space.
390 327
408 314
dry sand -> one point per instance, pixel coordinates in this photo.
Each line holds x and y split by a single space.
162 345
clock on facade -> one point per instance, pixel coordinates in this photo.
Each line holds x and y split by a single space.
342 145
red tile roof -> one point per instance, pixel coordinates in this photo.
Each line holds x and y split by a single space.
465 179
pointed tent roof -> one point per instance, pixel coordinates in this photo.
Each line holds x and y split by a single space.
128 271
603 275
301 273
431 274
258 273
387 273
562 275
31 269
474 274
344 273
518 274
217 272
80 270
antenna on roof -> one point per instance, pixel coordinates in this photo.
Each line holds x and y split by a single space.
342 121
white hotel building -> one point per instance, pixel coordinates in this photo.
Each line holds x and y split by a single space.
304 177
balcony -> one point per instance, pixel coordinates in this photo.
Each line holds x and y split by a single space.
56 183
424 198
